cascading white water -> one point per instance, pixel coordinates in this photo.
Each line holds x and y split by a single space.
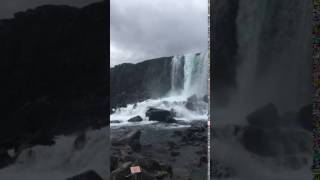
274 51
195 74
177 67
192 70
62 160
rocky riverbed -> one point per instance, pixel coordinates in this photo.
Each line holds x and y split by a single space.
163 153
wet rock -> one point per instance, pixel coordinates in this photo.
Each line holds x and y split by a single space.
192 103
182 174
132 139
205 98
194 137
89 175
115 122
197 127
177 133
265 117
257 140
305 117
114 163
5 159
175 153
127 138
220 171
203 160
160 115
151 169
277 141
135 119
122 172
80 141
172 145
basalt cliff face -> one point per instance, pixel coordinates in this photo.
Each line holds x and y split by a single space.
53 72
131 83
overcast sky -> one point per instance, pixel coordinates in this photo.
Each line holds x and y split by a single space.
144 29
9 7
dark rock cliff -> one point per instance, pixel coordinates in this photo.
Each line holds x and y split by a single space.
52 72
130 83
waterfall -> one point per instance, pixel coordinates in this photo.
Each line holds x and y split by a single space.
189 76
275 53
195 74
177 74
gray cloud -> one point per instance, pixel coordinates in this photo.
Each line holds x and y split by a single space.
9 7
143 29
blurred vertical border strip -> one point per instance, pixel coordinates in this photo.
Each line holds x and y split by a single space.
316 87
209 95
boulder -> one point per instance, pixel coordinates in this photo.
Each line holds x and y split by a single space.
264 117
256 140
135 119
88 175
205 98
160 115
305 117
175 153
277 141
121 172
80 141
5 159
132 139
192 103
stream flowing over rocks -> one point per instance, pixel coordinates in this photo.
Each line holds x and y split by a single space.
162 125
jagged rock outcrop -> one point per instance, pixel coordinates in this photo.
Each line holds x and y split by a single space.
131 83
52 72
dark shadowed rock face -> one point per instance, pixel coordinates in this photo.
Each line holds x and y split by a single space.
89 175
305 117
267 116
270 135
132 83
5 159
52 72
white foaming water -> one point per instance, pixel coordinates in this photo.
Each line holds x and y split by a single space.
192 69
196 69
62 160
